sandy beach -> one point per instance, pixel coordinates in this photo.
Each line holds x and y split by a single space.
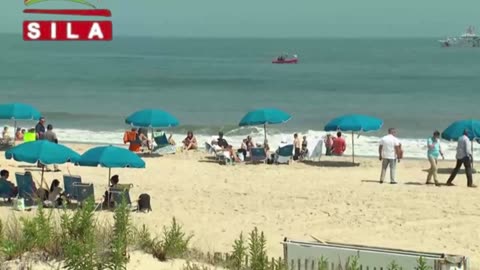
330 200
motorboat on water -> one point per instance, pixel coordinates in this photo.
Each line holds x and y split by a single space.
467 39
284 59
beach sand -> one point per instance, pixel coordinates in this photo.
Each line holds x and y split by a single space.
330 200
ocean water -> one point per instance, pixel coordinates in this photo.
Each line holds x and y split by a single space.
87 89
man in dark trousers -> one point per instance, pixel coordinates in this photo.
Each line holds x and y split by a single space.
40 134
464 156
40 128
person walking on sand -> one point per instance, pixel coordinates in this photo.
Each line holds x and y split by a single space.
464 156
388 152
434 150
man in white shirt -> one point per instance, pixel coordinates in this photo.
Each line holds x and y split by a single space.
388 153
464 156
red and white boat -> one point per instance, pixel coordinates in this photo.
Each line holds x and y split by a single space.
285 60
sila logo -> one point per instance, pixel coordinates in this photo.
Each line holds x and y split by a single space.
71 30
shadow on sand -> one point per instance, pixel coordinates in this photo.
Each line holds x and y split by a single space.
327 163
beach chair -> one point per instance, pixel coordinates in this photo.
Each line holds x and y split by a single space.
163 146
6 191
26 188
218 154
68 183
316 153
258 155
119 194
284 154
84 192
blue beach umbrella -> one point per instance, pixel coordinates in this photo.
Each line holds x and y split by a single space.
18 111
42 151
354 123
152 118
263 117
110 157
455 130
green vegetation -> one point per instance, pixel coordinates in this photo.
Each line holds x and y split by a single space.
76 240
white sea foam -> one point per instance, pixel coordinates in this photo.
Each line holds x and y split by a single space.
365 144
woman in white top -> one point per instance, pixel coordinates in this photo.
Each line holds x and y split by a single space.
55 194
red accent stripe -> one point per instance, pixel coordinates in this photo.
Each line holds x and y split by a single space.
73 12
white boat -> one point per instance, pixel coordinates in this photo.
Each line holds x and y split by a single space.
467 39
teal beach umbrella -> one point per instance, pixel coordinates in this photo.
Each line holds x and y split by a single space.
110 157
42 151
152 118
18 111
456 129
354 123
263 117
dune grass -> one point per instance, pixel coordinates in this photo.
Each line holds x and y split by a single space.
76 240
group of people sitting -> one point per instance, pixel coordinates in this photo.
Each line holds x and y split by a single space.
241 154
53 196
21 134
138 140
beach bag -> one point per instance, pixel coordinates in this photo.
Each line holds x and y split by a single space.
18 204
144 203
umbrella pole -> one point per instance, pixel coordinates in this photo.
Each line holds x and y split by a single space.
43 170
108 184
14 132
353 148
265 132
109 176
